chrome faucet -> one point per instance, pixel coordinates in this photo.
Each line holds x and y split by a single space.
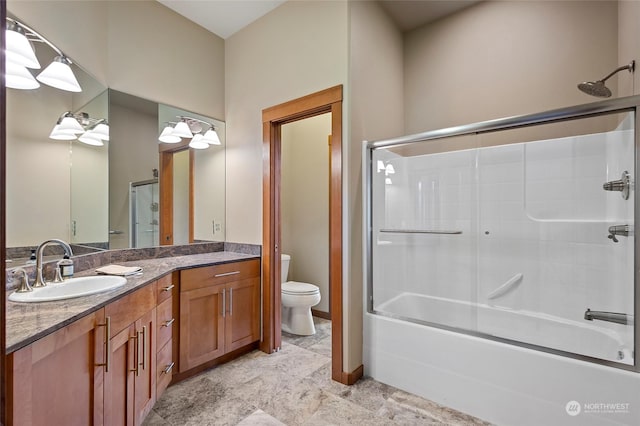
24 280
616 317
40 282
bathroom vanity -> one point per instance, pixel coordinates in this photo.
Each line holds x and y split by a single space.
106 358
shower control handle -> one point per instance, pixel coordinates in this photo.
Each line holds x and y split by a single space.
623 185
622 230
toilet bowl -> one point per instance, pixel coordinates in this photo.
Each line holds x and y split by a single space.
297 300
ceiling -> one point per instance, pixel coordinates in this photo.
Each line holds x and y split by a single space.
225 17
222 17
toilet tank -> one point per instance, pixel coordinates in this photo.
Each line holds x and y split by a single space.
284 272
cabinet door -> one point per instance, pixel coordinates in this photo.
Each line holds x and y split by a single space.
118 381
201 326
242 325
145 371
71 356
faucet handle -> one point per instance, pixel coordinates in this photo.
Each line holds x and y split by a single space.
24 278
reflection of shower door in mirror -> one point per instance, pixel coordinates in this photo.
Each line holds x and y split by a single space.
144 202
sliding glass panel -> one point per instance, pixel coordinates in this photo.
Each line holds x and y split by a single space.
424 208
555 248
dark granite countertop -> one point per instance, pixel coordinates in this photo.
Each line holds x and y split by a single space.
28 322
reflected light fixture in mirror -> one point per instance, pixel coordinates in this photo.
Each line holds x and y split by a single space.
92 131
190 128
20 56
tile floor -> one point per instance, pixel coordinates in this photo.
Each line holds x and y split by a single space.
293 387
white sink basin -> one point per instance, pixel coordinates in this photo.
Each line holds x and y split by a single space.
74 287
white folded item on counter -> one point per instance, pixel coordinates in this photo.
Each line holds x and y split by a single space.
119 270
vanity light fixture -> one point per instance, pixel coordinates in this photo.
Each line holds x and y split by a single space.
190 128
92 131
20 55
182 129
211 137
19 77
167 135
198 142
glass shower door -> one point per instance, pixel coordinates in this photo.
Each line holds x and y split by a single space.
556 246
144 201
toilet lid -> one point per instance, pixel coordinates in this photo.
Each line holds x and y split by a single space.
294 287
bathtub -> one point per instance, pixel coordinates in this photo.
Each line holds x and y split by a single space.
547 331
494 380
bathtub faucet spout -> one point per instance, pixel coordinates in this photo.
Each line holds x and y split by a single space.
616 317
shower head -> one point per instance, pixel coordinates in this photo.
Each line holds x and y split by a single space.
598 88
595 88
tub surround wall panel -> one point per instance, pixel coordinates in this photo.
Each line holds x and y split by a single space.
536 209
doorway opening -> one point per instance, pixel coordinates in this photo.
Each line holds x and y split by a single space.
273 118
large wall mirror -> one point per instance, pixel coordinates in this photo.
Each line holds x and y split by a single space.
103 194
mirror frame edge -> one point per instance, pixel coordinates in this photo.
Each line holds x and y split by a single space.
3 145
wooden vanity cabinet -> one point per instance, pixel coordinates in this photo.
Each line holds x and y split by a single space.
130 382
58 380
219 311
166 315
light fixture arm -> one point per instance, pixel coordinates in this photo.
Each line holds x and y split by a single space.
631 67
186 119
39 37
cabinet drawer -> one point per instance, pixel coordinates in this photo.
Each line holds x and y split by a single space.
165 287
125 311
218 274
165 367
165 320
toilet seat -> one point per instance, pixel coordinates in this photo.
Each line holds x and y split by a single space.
296 288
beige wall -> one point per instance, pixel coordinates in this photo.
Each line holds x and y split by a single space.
181 197
498 59
628 46
138 47
38 172
304 198
376 112
297 49
128 162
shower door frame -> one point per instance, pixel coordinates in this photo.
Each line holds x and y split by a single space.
618 105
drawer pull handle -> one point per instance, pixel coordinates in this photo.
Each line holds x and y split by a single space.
136 361
226 274
168 368
145 349
224 302
168 288
230 301
107 342
169 322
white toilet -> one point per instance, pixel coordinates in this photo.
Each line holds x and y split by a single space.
297 300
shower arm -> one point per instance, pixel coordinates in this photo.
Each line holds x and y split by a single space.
631 67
